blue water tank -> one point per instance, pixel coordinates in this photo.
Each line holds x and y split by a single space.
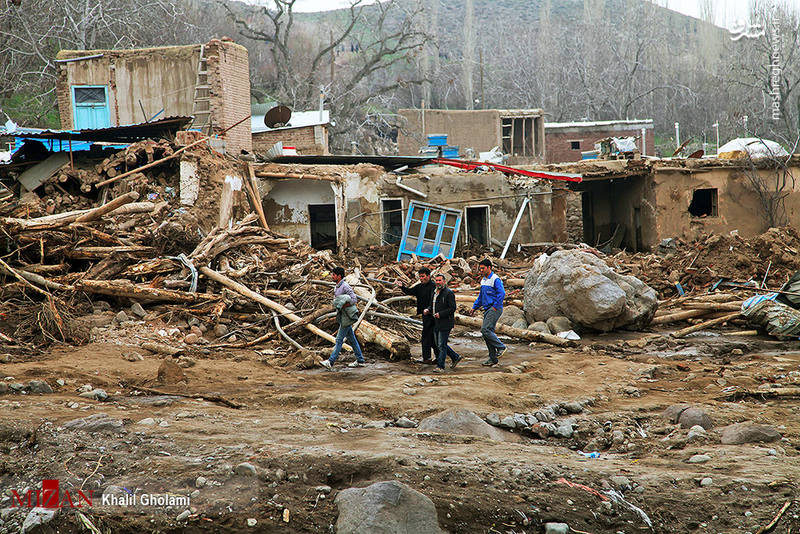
450 152
437 139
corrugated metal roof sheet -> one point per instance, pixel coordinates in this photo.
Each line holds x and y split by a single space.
121 134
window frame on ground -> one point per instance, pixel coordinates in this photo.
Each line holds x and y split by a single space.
712 202
429 230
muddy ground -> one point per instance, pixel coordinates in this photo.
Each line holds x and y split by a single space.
305 429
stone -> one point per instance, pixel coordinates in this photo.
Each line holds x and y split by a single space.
245 469
520 323
385 508
137 310
170 372
132 356
376 424
36 517
696 433
674 412
95 394
582 287
409 391
541 430
323 489
511 314
520 421
183 516
200 481
707 481
556 528
147 421
545 415
252 521
462 422
508 422
564 430
559 323
98 422
539 326
191 339
699 459
695 416
405 422
493 419
220 330
4 388
121 317
620 482
748 432
572 407
39 386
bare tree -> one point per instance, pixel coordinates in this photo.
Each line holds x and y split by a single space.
770 176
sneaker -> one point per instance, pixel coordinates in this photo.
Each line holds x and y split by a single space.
425 362
502 351
455 362
326 364
438 370
355 364
489 363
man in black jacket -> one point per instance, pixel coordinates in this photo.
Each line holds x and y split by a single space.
424 293
443 310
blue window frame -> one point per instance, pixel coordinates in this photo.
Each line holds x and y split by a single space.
430 230
90 107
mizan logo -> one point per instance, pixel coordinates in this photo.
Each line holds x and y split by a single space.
51 496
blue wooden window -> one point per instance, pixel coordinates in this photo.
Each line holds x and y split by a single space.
430 230
90 107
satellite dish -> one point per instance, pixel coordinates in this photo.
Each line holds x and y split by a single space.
277 117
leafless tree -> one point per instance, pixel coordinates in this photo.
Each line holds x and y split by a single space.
770 176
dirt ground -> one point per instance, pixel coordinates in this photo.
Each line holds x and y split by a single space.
306 429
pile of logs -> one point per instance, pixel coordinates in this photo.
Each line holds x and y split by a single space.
702 311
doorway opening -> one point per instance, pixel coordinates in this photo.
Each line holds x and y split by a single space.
322 224
391 220
477 224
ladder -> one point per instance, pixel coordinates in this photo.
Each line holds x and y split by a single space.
201 102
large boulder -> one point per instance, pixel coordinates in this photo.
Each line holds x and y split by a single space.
511 314
748 432
581 287
463 422
386 508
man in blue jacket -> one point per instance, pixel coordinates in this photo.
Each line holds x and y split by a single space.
490 300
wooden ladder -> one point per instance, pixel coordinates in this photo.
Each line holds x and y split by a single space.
201 102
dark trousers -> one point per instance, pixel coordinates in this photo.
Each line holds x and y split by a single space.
428 338
444 349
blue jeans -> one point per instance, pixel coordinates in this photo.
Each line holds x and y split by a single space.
444 348
346 332
494 345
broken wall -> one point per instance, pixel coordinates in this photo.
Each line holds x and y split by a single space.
625 202
308 140
477 129
560 141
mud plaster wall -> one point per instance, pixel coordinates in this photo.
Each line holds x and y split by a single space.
286 205
738 207
479 129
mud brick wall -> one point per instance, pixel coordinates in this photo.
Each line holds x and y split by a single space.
303 139
559 143
229 78
476 129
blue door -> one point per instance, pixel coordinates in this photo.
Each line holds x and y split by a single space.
90 105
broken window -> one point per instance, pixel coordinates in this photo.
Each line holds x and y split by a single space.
575 145
322 224
704 203
392 220
477 224
430 230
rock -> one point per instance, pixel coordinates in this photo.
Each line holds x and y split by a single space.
564 430
220 330
39 386
96 394
132 356
539 326
542 430
245 469
572 407
559 323
620 482
747 432
385 508
323 489
699 459
98 422
462 422
520 323
707 481
37 516
252 521
582 287
409 391
200 481
508 422
376 424
170 372
183 516
191 339
16 387
4 388
545 415
556 528
121 317
493 419
695 416
405 422
147 421
674 412
137 310
511 314
696 433
520 421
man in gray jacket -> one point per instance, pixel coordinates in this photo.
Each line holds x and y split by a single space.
344 300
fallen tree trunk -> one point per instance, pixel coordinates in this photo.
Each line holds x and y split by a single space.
678 316
396 345
519 333
15 226
125 288
271 304
108 207
706 324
